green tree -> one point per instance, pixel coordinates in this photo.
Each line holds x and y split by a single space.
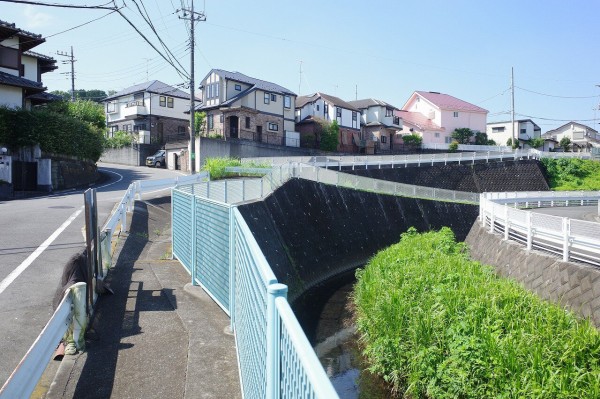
199 120
412 140
462 135
95 95
330 137
565 143
536 142
510 143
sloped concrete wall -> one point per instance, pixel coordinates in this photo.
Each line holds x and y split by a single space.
522 175
310 232
573 285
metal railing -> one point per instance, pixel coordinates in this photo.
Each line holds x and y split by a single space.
466 147
569 238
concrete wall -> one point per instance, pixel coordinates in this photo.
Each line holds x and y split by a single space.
573 285
134 156
525 175
69 173
310 232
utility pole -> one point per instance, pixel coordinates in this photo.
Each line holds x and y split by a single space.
146 59
512 107
72 60
193 17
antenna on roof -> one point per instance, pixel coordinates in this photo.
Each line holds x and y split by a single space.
300 81
356 92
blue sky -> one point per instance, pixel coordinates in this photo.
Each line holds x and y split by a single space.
382 49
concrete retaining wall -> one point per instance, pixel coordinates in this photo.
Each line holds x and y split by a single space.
572 285
310 232
524 175
133 156
70 173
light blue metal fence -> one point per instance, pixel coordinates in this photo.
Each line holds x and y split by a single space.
212 240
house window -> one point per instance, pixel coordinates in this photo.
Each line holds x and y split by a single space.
338 112
317 107
169 102
273 126
114 128
216 91
456 114
9 58
388 112
221 118
437 135
523 131
267 98
287 101
325 109
498 129
384 139
274 97
447 139
353 116
210 122
247 122
110 107
141 126
238 87
162 101
180 129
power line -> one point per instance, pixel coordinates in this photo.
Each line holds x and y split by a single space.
551 95
555 120
38 3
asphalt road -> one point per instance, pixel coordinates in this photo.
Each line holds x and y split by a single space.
37 237
588 213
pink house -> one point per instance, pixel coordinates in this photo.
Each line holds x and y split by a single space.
434 116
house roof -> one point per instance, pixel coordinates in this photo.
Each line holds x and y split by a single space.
257 83
301 101
8 30
418 120
446 102
44 97
154 86
16 81
581 125
46 63
370 102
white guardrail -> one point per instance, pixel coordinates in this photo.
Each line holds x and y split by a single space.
569 238
62 324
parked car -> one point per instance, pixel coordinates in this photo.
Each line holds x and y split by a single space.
157 160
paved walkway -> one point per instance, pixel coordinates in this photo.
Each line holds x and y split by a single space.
157 336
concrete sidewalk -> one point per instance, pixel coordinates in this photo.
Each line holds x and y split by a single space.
157 336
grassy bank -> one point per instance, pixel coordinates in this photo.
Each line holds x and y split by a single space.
436 325
566 174
216 167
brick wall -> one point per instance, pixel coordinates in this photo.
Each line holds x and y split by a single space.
573 285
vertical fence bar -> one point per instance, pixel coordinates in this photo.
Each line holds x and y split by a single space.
193 257
492 206
506 223
529 231
566 227
273 339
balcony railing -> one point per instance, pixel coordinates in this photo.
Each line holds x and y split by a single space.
134 108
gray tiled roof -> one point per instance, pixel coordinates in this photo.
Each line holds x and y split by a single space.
370 102
38 55
257 83
301 101
7 30
154 86
12 80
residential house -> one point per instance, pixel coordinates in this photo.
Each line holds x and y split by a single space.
378 123
524 130
583 137
238 106
314 110
434 116
153 111
21 69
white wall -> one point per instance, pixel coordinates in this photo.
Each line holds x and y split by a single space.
11 97
180 105
31 67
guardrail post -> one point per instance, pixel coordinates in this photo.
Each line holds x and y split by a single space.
419 164
506 223
273 338
75 334
481 210
492 218
123 218
529 231
566 227
459 157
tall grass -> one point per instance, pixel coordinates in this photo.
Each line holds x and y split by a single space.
216 167
572 174
435 324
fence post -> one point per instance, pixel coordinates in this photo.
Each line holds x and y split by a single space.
225 194
529 231
481 210
492 217
123 218
506 223
273 337
566 227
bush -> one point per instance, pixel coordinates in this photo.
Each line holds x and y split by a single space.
216 167
330 137
55 132
435 324
572 174
453 147
412 140
119 139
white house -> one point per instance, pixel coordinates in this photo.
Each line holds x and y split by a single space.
524 130
21 69
241 107
318 108
440 115
153 111
583 137
378 122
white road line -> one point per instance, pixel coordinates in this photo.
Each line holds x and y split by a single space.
110 184
27 262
